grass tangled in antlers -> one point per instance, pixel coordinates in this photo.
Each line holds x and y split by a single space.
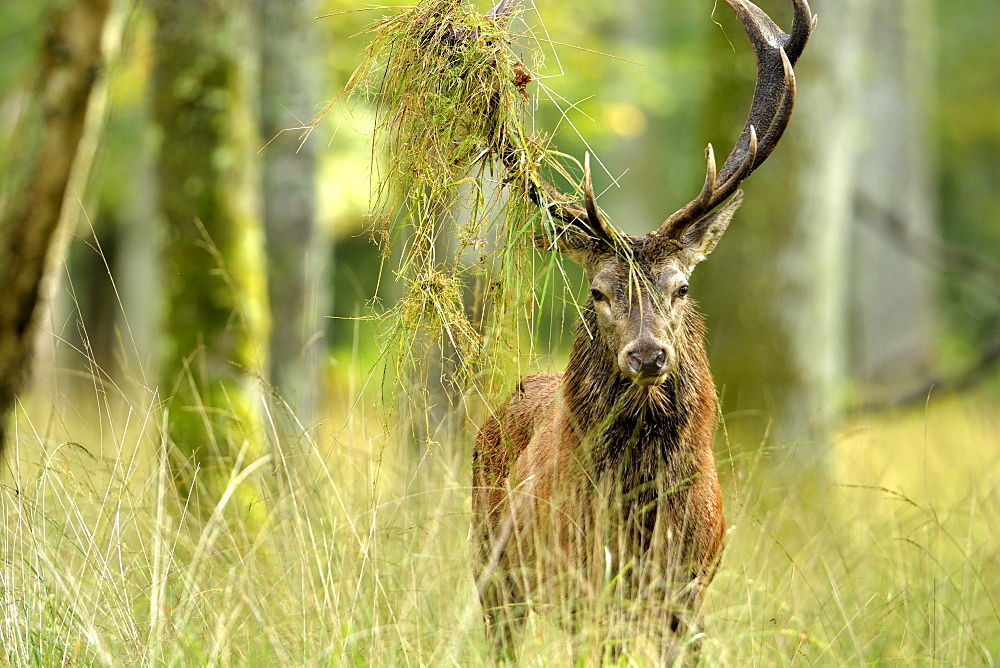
452 103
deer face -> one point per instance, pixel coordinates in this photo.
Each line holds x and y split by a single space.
639 306
639 291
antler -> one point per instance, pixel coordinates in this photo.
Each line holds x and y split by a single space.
503 11
773 98
561 208
543 193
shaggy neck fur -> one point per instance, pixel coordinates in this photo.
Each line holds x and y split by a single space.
638 430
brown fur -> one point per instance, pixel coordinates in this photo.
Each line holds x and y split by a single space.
586 474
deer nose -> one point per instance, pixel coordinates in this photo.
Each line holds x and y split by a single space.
645 361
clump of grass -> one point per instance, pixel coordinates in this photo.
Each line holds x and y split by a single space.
102 561
452 193
445 79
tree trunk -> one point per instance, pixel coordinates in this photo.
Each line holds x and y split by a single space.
892 332
298 252
33 202
216 322
827 300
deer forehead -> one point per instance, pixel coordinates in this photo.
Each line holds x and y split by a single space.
630 275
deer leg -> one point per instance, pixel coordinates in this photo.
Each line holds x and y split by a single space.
680 644
683 620
505 610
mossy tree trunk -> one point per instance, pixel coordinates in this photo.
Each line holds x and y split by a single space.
34 189
216 323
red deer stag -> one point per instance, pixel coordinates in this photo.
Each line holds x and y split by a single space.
599 483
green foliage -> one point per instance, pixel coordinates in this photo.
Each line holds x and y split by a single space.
22 25
967 134
20 34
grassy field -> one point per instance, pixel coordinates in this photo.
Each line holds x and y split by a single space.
361 558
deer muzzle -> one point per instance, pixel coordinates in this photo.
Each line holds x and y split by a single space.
646 361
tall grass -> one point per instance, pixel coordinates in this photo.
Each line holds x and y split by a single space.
891 559
362 555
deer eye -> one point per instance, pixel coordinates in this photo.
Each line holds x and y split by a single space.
597 294
682 291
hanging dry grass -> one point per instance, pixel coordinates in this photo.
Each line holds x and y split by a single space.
452 102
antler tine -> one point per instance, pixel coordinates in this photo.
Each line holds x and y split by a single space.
561 208
782 114
770 111
503 10
594 217
559 205
746 165
711 173
803 23
701 202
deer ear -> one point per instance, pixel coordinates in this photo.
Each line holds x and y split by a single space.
701 237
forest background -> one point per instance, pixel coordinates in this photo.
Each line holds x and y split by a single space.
212 457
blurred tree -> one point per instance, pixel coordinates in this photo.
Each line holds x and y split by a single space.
893 329
820 274
113 272
298 251
22 28
35 183
804 239
967 130
215 329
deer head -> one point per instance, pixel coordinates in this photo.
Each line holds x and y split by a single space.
639 285
639 290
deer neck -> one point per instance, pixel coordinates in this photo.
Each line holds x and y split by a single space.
617 421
